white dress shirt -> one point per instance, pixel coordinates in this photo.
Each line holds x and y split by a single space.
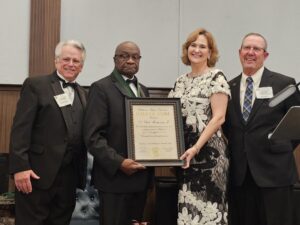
256 81
69 91
131 85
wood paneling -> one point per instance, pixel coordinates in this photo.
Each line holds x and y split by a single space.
159 92
297 159
9 96
44 35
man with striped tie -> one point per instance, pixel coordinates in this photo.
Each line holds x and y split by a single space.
262 171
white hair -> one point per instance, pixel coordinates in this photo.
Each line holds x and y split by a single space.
74 43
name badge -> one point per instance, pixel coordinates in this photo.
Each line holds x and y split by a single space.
62 100
264 92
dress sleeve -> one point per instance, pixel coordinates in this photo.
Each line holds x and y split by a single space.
219 84
176 91
172 92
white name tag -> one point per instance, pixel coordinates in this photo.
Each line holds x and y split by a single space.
62 100
264 92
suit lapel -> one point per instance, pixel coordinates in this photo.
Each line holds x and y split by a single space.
235 89
121 85
57 90
82 95
141 92
123 90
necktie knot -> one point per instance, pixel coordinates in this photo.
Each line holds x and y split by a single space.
133 81
67 84
249 80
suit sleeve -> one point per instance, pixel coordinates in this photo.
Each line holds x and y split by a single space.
20 139
96 123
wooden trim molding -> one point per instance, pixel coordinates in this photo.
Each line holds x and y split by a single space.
44 35
159 92
9 95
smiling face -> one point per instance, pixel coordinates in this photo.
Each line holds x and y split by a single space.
70 62
253 54
198 51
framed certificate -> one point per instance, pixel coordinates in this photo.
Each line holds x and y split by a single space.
155 131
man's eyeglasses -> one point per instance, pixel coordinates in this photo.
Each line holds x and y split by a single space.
254 48
75 62
126 57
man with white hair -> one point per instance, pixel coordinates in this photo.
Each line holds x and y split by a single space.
47 153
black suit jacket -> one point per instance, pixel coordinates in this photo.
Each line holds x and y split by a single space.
106 139
271 163
39 136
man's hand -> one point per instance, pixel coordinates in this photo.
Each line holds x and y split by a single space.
130 166
22 180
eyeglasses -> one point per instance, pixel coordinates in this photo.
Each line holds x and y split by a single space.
126 57
75 62
254 48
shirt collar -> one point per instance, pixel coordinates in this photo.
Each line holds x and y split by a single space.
126 78
62 77
256 76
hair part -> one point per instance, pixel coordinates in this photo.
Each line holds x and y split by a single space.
73 43
214 53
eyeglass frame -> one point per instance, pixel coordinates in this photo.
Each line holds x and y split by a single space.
126 57
68 60
256 49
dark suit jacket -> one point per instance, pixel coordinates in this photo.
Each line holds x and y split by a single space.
106 139
40 129
271 163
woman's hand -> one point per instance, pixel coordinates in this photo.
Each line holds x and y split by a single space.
188 156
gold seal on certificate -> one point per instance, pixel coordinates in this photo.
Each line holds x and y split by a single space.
154 131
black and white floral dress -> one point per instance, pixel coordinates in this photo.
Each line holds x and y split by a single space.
202 194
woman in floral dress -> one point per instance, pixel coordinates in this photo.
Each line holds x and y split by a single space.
204 93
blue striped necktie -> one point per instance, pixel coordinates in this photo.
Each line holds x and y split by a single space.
248 98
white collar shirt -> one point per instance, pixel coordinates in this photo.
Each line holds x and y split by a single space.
131 85
69 91
256 81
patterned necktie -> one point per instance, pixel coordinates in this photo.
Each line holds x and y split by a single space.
248 99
